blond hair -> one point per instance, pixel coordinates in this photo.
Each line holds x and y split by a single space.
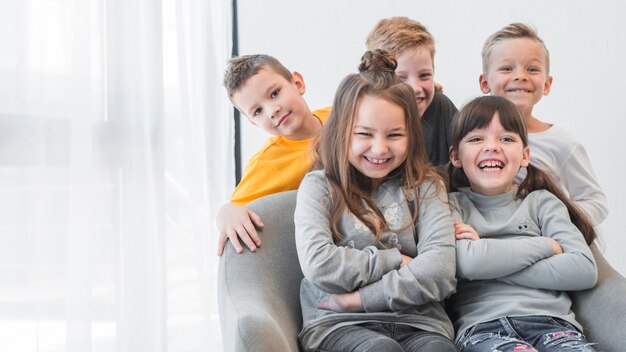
512 31
240 68
395 34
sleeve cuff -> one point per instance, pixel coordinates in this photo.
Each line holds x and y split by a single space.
373 296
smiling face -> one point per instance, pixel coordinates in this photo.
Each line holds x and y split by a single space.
517 70
491 158
379 140
415 67
274 103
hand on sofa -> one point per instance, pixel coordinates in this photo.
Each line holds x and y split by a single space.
236 222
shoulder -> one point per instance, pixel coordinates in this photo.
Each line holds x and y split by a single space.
538 195
315 176
555 136
322 114
267 152
442 103
457 196
459 204
433 187
460 198
314 188
543 200
313 180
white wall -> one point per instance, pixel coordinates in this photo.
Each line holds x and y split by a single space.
324 40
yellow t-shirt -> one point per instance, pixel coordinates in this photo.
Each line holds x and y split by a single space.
278 166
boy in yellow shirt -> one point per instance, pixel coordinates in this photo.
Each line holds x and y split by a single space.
262 89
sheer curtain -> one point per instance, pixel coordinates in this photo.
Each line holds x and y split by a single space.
115 151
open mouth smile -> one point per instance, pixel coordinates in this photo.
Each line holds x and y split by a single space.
491 165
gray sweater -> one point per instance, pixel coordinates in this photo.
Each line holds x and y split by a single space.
409 295
511 269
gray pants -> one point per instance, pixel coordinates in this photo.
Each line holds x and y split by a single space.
387 337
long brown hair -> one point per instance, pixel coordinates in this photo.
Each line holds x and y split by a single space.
349 188
479 113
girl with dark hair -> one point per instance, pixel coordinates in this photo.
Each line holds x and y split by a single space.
518 248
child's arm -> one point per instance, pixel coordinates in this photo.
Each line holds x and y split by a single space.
274 168
233 222
575 269
492 258
583 186
332 268
430 275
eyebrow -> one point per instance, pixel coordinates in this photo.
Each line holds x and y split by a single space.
372 129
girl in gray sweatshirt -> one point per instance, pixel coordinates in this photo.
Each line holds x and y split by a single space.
519 249
373 228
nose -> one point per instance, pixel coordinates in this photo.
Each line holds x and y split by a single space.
379 146
492 147
274 110
520 75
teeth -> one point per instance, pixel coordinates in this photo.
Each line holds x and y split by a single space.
491 165
376 161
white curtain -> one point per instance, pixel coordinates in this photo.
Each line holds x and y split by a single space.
115 152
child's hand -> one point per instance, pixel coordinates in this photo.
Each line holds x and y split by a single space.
465 231
556 247
438 87
405 260
343 303
234 221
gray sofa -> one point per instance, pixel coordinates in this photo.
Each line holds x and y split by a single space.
258 293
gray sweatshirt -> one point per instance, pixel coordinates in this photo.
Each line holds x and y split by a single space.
409 295
511 269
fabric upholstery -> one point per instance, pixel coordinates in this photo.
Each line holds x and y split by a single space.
258 293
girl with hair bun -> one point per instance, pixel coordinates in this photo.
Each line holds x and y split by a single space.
373 228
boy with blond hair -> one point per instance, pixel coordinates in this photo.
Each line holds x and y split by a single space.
262 89
414 49
516 65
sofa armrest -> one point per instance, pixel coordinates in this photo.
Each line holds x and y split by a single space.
259 293
602 309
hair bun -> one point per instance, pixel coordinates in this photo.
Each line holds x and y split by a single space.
378 61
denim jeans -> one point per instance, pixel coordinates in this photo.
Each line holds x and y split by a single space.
385 337
529 333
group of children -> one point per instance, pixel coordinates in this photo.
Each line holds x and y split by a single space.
397 255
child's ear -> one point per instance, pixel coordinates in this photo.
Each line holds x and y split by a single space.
484 86
454 158
547 85
525 157
298 82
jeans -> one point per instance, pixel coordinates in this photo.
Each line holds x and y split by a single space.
385 337
529 333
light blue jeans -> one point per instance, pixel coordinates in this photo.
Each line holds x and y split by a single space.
529 333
